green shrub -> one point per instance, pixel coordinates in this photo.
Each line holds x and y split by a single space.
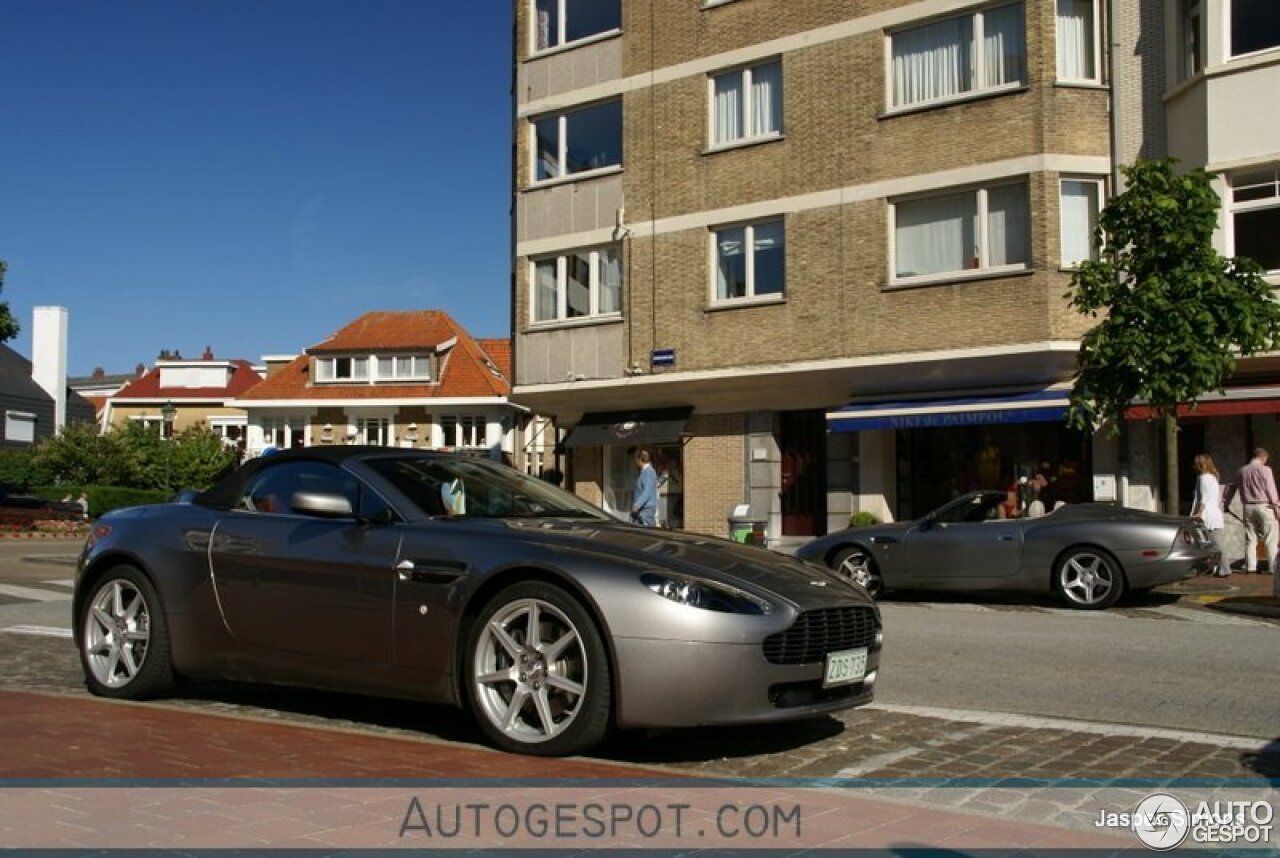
862 518
16 468
103 499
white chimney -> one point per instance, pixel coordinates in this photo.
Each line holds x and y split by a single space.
49 357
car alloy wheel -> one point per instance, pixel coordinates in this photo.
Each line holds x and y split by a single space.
539 676
124 640
857 565
1089 579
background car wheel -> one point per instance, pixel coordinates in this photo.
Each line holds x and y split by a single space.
1089 578
124 637
857 565
538 675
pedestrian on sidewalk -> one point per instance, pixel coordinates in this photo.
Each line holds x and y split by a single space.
1206 505
1257 487
644 501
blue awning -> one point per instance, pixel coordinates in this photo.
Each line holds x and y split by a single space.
1035 406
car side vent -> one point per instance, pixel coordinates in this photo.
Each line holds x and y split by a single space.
816 633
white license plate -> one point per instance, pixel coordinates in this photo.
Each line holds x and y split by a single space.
846 666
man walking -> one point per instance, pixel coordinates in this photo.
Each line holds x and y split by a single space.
644 502
1257 487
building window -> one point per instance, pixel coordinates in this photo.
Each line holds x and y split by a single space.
1189 23
1255 26
375 431
749 261
339 369
983 229
403 368
746 104
19 427
563 22
276 432
578 285
1078 41
579 141
970 54
1080 200
1255 216
463 432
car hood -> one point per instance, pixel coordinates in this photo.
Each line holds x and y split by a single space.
749 567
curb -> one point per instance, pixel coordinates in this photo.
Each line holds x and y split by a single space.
1249 608
39 535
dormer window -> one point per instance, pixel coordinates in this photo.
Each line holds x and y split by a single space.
372 369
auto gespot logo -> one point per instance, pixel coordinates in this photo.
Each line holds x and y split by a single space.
1162 821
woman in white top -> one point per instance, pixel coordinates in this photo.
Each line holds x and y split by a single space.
1207 506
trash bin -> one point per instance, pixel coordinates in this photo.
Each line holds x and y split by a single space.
746 525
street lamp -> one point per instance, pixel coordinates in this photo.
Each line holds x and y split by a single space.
167 412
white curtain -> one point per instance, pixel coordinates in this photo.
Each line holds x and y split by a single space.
544 295
1004 46
731 263
610 281
728 116
936 235
1079 216
1008 226
1075 40
766 99
933 61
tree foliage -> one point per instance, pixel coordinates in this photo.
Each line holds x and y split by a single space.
132 456
1173 313
8 325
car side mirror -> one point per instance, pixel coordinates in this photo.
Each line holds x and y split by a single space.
928 521
321 504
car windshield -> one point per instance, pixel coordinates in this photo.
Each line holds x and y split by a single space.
477 488
970 509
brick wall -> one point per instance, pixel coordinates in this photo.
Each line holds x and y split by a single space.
713 472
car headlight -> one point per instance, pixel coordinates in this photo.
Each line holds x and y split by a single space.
707 595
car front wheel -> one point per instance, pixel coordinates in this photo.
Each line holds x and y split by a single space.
856 565
1089 578
538 676
124 637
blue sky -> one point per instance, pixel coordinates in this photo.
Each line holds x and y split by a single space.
251 174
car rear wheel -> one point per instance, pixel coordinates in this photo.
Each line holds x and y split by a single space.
124 637
1089 578
538 675
857 565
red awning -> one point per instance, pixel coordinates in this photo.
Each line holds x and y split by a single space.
1228 406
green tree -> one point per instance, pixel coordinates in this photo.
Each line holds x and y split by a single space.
8 325
1173 313
80 455
199 458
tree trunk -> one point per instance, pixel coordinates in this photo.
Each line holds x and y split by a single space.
1171 464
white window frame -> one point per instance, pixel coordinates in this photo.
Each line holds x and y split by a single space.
1233 207
1227 35
163 426
562 19
465 427
984 270
1101 184
396 376
562 316
748 247
980 90
375 431
1190 63
562 148
26 418
1096 78
330 376
745 74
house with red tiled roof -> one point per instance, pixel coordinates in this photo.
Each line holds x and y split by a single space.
178 393
392 378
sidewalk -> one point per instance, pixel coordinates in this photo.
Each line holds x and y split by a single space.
1241 593
65 738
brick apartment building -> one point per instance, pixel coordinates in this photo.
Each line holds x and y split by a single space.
814 253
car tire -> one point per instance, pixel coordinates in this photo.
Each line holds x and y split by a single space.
857 564
546 694
124 637
1088 578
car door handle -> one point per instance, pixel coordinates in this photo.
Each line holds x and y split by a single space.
405 569
883 540
442 572
1007 538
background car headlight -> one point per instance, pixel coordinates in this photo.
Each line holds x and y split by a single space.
700 593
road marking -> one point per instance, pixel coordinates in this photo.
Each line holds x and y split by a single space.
1035 722
33 594
43 631
62 582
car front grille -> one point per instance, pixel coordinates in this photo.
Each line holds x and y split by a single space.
816 633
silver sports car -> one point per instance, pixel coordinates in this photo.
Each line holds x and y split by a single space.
1089 554
458 580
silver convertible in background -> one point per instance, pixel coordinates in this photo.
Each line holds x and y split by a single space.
458 580
1088 554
